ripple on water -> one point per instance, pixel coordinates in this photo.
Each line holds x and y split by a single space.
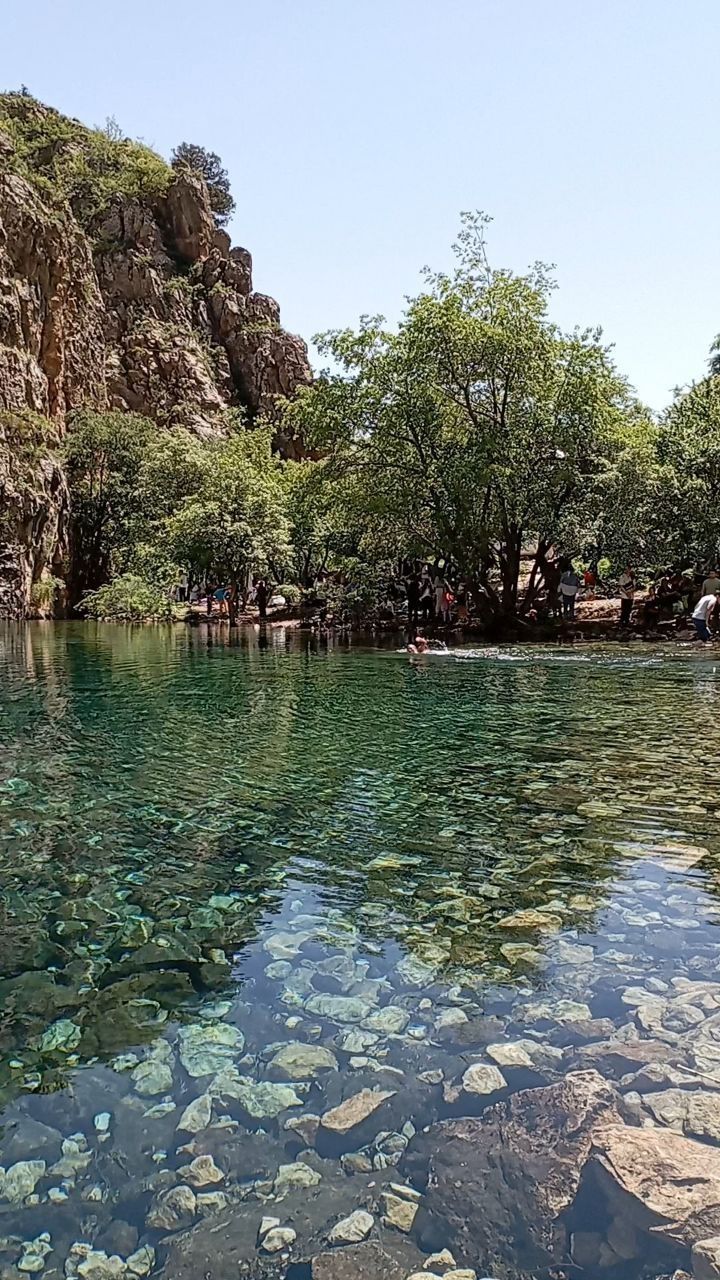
434 883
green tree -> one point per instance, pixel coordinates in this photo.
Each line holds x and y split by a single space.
236 522
210 167
475 430
103 456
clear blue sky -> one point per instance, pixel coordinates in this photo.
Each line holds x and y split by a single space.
354 132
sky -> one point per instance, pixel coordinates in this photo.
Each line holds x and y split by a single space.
355 131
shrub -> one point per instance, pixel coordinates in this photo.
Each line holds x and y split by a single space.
129 598
42 592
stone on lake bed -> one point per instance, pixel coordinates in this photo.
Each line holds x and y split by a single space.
354 1110
351 1230
481 1078
206 1048
530 918
291 1176
398 1212
299 1061
261 1099
278 1238
62 1037
305 1126
209 1202
201 1172
98 1266
450 1018
391 1020
339 1008
152 1077
20 1180
142 1261
172 1209
196 1115
414 972
358 1041
266 1224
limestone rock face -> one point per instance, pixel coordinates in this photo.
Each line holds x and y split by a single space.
143 306
33 511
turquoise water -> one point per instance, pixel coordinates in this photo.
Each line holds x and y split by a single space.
210 848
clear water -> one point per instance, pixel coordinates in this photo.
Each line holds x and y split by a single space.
203 833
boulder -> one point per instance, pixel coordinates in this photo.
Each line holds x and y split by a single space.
660 1181
522 1161
706 1259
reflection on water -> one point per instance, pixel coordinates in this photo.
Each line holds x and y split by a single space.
213 850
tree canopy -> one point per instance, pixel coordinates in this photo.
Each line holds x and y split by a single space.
210 167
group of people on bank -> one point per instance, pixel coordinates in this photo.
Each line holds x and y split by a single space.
433 594
217 597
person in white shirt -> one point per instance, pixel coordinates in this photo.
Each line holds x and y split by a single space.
702 612
711 585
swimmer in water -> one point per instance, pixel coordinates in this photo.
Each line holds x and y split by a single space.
419 646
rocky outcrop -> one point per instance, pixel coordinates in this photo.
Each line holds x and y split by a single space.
33 510
141 304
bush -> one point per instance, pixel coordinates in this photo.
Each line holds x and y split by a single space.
129 598
42 592
68 161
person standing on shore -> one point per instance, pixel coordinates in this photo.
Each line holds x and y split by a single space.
704 611
711 585
569 587
261 596
626 582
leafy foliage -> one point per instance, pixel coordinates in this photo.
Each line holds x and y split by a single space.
129 598
210 167
235 520
476 426
86 167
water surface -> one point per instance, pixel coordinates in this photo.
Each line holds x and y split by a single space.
214 847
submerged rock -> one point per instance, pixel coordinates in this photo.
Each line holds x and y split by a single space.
355 1110
339 1008
662 1180
261 1099
202 1172
98 1266
291 1176
20 1179
173 1209
196 1115
298 1061
152 1077
522 1159
398 1212
351 1230
482 1078
207 1048
278 1238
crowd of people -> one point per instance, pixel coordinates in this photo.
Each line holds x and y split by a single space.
435 595
216 597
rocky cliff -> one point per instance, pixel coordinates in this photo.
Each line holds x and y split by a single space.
117 290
